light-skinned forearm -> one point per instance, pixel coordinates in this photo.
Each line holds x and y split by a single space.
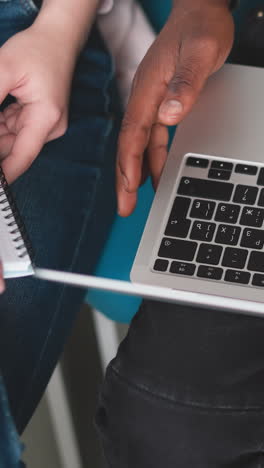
70 19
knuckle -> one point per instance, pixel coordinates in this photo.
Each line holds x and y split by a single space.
121 167
201 53
183 79
131 125
206 45
61 129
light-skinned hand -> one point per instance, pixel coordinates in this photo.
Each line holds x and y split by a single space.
37 71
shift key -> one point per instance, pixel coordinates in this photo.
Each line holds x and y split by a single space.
203 188
177 249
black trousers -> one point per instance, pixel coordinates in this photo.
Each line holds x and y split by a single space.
185 390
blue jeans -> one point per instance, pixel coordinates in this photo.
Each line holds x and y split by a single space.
67 201
10 446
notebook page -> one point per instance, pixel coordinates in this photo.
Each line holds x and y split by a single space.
8 252
13 251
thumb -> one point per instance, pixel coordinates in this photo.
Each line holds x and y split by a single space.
184 89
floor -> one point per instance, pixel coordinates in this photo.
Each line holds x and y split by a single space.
83 377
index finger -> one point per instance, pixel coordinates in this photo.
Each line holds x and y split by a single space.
141 113
34 127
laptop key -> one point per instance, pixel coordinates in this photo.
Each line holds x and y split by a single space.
245 194
177 249
209 254
161 265
197 162
261 198
203 188
235 276
245 169
235 258
256 262
202 231
252 239
180 207
261 177
226 166
202 209
178 228
258 280
210 272
227 213
228 235
178 225
217 174
252 217
181 268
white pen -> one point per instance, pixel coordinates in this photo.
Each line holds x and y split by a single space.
145 291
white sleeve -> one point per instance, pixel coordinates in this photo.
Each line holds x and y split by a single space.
105 6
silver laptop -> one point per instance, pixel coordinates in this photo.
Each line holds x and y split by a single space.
205 233
204 237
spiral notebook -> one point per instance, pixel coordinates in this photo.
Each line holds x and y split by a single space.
15 251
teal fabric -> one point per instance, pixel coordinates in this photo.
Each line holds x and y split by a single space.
117 259
157 11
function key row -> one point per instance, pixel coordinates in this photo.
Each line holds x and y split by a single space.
209 272
204 163
222 169
218 170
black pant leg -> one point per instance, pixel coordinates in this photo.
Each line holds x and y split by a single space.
185 390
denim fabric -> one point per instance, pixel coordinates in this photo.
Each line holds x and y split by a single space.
67 202
10 446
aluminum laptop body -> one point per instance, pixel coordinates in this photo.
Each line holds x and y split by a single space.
204 235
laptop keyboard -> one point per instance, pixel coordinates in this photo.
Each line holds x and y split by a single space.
214 230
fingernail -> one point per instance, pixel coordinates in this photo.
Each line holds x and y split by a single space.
171 109
2 283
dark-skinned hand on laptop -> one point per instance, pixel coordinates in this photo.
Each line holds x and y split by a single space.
194 44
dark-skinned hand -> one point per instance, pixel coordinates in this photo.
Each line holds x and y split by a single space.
193 45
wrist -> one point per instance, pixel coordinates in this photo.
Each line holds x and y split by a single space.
67 22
